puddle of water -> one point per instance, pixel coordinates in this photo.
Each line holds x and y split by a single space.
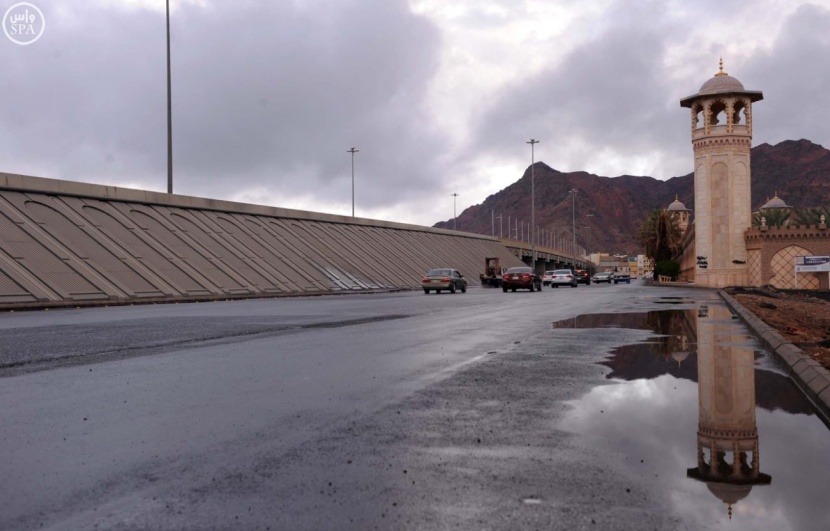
695 410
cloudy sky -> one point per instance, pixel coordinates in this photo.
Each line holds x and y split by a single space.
438 96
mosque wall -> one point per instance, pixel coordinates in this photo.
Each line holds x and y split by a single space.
772 251
688 258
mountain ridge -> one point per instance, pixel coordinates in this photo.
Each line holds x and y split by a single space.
609 210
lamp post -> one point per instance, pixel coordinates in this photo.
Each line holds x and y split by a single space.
352 151
532 143
169 112
501 232
454 217
572 191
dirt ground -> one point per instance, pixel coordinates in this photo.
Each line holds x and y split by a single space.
802 317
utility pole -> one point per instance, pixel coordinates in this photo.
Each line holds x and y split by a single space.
454 217
169 111
573 216
532 143
352 151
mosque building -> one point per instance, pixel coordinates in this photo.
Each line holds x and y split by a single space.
680 213
721 245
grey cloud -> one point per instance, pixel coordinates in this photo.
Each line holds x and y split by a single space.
795 78
605 94
612 94
270 94
265 94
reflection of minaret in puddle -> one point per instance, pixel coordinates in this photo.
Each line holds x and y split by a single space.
727 436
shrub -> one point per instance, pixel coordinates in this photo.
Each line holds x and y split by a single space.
668 268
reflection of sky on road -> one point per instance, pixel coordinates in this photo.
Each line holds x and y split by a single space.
656 421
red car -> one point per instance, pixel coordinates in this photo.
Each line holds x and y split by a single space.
521 278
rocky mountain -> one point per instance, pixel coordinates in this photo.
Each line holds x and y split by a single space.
609 210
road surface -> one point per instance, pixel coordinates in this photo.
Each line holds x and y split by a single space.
391 411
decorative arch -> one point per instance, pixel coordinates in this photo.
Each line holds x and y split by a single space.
717 113
720 211
698 120
782 269
739 112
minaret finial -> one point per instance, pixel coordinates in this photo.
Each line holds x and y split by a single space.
721 72
676 197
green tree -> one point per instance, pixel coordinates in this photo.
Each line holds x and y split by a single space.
774 217
812 216
660 236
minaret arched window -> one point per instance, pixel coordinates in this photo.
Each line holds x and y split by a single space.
739 113
717 113
698 116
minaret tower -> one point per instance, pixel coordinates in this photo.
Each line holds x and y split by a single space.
728 461
722 137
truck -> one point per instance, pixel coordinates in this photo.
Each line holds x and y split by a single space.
492 272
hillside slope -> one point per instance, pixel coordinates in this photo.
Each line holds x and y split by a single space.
609 210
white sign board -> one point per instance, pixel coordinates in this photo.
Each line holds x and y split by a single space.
812 264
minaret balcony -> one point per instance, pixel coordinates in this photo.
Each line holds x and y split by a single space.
720 130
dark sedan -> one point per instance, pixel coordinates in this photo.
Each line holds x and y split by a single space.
521 278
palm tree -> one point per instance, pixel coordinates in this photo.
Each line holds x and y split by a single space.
773 217
660 236
812 216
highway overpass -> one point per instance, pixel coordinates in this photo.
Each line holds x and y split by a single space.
65 243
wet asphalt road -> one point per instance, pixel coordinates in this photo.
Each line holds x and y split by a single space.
393 411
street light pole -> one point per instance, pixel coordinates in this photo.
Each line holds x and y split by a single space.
454 217
352 151
501 227
573 216
532 143
169 112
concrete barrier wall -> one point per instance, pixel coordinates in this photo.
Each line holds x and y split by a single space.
73 243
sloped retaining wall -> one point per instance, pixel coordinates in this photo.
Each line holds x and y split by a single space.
66 243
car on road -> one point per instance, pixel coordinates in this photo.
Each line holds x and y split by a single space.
546 278
438 280
563 277
622 277
582 277
521 278
605 276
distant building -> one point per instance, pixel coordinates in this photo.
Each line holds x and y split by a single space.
678 211
636 266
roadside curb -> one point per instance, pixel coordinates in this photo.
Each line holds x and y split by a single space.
106 303
808 374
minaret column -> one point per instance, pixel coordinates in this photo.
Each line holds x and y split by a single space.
723 210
